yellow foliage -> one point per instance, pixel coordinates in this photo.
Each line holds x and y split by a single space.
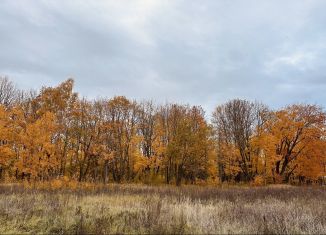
56 140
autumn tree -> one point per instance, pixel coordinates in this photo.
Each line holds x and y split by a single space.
295 141
53 133
188 147
6 139
120 132
61 101
151 148
34 147
235 124
85 145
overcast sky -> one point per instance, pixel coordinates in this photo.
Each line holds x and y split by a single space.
187 51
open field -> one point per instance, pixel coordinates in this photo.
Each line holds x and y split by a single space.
164 209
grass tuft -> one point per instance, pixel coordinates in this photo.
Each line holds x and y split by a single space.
134 209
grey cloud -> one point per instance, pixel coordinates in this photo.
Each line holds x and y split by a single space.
183 51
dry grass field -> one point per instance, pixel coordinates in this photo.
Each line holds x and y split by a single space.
134 209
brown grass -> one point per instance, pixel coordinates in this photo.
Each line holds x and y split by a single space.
135 209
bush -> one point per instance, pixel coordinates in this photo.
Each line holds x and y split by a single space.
258 181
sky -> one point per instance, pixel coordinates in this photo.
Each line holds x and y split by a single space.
186 51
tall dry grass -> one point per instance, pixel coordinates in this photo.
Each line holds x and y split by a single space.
135 209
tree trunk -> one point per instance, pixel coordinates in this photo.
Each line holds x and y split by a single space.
106 172
179 175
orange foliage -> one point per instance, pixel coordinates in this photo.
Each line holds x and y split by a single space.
56 140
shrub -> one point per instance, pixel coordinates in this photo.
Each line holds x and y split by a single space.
258 181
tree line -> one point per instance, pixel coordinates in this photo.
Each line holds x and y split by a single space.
54 133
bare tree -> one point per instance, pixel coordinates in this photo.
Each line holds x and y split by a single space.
146 115
8 92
